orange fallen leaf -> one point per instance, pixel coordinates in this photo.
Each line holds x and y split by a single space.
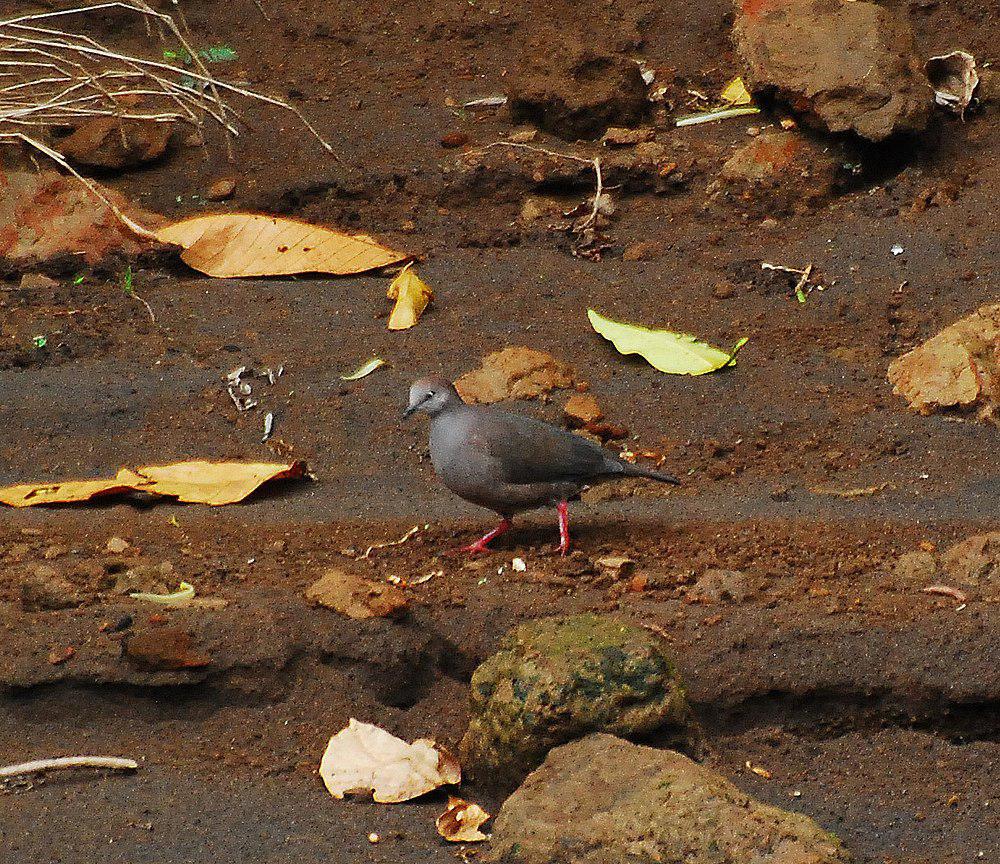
229 245
756 769
461 821
195 482
412 295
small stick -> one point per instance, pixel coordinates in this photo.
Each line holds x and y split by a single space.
67 762
149 308
597 196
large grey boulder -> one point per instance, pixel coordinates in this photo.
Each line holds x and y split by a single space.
602 800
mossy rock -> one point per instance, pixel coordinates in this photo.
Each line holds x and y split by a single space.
556 679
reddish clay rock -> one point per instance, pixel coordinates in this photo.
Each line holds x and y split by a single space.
582 409
355 596
107 142
46 217
514 373
957 368
574 92
843 66
165 648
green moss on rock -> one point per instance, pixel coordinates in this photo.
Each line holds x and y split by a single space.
556 679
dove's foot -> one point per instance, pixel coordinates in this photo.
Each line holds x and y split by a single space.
563 509
481 546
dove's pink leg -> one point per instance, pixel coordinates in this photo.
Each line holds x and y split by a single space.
563 509
480 546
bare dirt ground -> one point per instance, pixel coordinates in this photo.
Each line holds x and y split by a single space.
872 705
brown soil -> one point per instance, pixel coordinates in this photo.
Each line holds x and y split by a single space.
872 704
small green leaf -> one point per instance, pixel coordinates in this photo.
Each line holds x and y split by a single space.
218 54
670 352
39 341
362 371
127 282
78 279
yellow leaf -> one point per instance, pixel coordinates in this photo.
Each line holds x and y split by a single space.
194 482
412 295
736 93
461 820
252 244
68 492
674 353
214 483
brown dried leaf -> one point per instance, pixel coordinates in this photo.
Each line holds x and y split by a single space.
461 821
251 244
946 591
412 295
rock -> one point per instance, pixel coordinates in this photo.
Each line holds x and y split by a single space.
45 588
163 648
221 189
514 373
454 139
576 92
616 566
356 597
722 586
37 282
147 578
534 208
618 137
107 142
116 545
555 679
841 66
974 561
607 801
46 218
783 164
523 136
953 369
582 409
918 566
644 250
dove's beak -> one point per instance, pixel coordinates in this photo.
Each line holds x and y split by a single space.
409 411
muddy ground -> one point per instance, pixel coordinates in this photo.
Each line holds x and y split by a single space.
872 705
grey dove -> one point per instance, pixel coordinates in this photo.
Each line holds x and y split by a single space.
511 463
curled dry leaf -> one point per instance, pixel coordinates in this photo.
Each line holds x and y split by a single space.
251 244
364 370
412 295
674 353
461 821
195 482
954 79
364 758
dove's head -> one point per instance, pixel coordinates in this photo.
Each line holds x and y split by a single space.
431 396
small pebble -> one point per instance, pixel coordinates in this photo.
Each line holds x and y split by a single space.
221 189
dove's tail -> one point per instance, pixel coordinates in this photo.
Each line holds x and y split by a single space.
630 470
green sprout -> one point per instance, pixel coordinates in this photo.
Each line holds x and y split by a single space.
127 282
39 341
78 279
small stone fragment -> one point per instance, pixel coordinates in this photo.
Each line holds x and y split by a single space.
165 648
722 586
917 567
107 142
582 409
953 369
617 566
45 589
619 137
974 561
355 596
115 546
514 373
220 189
454 139
37 282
